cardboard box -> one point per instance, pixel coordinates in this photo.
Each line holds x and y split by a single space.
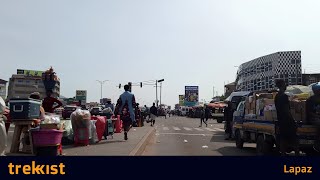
270 115
268 101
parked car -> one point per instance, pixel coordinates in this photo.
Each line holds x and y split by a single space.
67 111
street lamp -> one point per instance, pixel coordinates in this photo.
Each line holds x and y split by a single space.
158 81
101 83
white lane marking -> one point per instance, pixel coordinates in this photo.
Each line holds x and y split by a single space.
185 134
165 128
176 128
218 129
211 130
198 129
188 129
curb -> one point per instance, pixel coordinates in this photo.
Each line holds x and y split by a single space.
138 150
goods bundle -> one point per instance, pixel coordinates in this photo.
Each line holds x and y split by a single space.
49 79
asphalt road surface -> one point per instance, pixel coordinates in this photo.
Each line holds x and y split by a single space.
181 136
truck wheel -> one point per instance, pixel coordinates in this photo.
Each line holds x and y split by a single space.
219 120
263 147
239 141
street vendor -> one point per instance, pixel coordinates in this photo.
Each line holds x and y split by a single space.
48 102
36 95
287 131
313 111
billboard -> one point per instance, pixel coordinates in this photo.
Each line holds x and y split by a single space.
29 72
191 95
81 95
181 100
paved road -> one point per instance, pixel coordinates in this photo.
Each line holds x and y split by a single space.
180 136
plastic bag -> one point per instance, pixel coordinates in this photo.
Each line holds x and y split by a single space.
93 132
51 119
3 137
2 106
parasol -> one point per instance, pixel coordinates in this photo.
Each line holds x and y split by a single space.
298 89
217 105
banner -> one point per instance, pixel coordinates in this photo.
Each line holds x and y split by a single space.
81 95
181 100
191 95
29 72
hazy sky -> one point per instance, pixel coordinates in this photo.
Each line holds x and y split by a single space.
185 42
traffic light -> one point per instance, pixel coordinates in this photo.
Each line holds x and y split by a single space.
119 86
141 84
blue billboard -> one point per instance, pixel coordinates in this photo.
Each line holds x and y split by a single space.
191 95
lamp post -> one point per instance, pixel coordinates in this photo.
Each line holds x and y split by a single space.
158 81
101 84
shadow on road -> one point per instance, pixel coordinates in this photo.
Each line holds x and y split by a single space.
231 151
219 137
97 144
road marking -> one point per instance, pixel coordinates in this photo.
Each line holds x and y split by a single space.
185 134
218 129
198 129
211 130
188 129
176 128
165 128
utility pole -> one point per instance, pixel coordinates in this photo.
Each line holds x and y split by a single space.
160 91
213 92
101 83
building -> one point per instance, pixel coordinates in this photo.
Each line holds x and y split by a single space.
21 85
3 89
308 79
260 74
229 88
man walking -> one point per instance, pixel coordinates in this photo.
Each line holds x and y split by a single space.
128 101
286 131
202 117
153 114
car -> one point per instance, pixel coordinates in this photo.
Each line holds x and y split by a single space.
96 111
68 110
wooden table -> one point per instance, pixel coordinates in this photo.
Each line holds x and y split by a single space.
21 126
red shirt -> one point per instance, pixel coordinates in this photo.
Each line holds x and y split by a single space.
48 103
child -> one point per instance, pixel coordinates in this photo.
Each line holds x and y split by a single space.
127 122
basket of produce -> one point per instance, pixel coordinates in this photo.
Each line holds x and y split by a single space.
49 79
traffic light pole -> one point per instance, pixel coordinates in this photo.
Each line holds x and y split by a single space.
157 93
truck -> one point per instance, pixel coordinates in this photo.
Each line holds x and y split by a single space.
250 127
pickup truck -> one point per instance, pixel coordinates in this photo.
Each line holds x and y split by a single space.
218 116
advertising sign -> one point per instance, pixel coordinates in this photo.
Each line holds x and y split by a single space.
191 95
29 72
181 100
81 95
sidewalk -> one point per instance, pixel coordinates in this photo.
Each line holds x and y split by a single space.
137 142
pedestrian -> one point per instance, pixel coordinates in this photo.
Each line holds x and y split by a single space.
153 114
111 106
48 102
202 117
126 99
207 113
228 117
138 115
127 121
313 112
286 130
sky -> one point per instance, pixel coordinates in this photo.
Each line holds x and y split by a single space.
184 42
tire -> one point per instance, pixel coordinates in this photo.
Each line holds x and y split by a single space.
263 147
239 140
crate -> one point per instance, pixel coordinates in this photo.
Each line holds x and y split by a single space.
24 109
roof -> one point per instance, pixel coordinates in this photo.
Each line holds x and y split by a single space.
240 93
3 81
231 84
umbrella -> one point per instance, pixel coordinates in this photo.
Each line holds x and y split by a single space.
298 89
217 105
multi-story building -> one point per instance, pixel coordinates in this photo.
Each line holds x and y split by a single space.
229 88
21 85
3 89
308 79
260 74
